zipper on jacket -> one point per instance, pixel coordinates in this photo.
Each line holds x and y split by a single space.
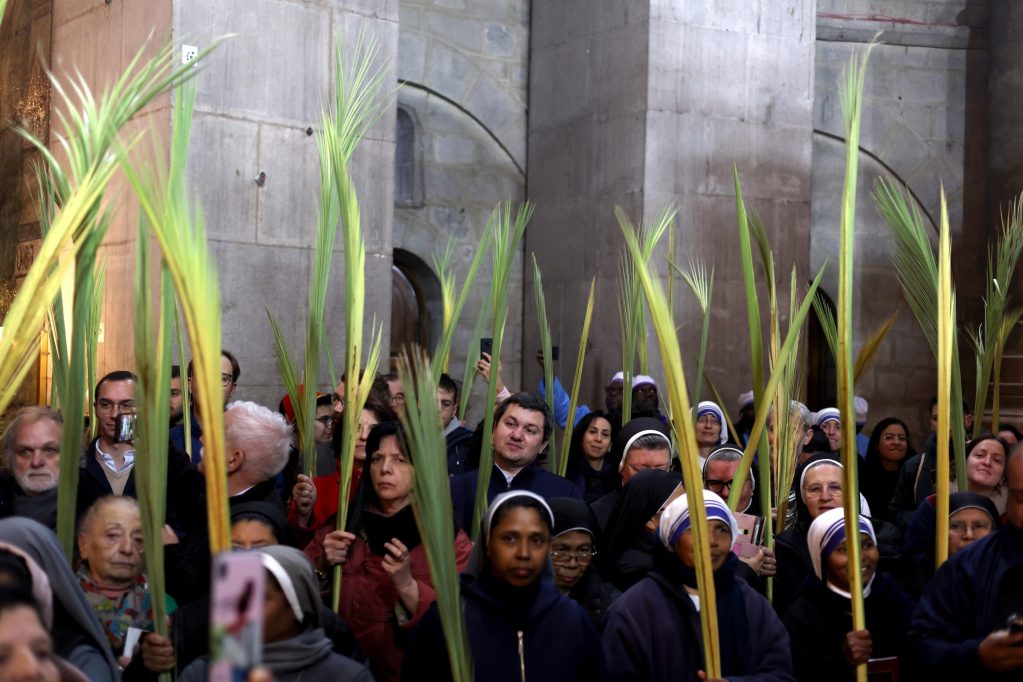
522 654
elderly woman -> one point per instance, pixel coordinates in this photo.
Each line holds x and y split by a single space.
110 546
576 558
386 585
77 633
824 644
819 488
294 644
653 630
971 517
519 625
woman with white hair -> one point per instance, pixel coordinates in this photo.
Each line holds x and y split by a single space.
824 644
653 630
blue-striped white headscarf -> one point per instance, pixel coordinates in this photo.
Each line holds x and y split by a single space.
675 518
710 407
826 533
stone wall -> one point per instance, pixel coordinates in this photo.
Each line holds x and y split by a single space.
463 65
921 125
645 102
259 98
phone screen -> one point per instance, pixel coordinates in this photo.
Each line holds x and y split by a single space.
236 615
486 346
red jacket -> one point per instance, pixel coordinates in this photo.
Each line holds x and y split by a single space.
370 604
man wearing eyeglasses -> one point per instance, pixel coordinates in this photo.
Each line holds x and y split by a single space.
643 443
456 437
110 458
230 370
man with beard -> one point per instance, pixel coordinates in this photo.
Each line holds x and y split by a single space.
28 484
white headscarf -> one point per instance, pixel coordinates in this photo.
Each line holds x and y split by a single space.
709 407
826 533
675 517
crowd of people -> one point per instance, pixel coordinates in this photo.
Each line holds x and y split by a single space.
590 576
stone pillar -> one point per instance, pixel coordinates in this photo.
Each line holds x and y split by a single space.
654 101
1004 95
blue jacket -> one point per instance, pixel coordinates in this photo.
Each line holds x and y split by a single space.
970 597
559 643
653 635
532 478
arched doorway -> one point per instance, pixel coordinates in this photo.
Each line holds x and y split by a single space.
416 309
821 371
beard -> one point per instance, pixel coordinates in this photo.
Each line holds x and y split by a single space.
37 482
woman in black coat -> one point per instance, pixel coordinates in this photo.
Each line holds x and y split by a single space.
888 449
824 644
576 554
633 524
518 625
589 464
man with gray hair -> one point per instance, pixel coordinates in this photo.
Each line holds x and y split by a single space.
31 464
257 442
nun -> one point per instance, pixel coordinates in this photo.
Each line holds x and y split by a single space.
653 630
711 430
824 644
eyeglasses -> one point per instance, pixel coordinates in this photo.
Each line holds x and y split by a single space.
226 380
398 399
834 489
718 487
325 420
337 399
959 528
893 437
104 405
709 419
583 556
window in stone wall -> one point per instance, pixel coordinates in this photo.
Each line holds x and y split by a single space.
405 190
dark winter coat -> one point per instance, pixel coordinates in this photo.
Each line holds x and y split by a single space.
545 637
653 634
819 621
971 596
532 478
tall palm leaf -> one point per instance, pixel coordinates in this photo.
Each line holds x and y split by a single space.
181 233
453 306
685 430
917 272
580 358
507 235
946 332
431 502
548 361
851 91
152 362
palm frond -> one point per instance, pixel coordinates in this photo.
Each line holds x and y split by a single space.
472 353
851 92
701 283
946 332
453 306
685 430
826 319
431 502
1010 322
580 358
507 234
1000 268
871 346
73 220
548 361
917 271
181 233
152 362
